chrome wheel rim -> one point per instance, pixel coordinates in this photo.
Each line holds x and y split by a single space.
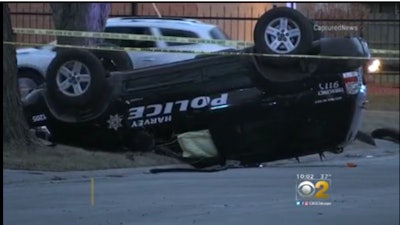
73 78
282 35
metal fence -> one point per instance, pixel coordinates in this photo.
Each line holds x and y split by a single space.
39 15
380 30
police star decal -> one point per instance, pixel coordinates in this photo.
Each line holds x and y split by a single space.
114 122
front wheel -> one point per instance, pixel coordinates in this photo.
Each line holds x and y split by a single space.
75 77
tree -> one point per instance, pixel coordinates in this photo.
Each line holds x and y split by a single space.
67 16
82 17
15 129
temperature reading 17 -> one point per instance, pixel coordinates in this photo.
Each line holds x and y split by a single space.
325 176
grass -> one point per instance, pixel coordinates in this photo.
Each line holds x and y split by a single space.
383 97
384 102
380 119
66 158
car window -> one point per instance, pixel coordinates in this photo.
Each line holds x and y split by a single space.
217 33
177 33
131 43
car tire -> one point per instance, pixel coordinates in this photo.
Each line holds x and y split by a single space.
296 38
113 60
29 80
75 88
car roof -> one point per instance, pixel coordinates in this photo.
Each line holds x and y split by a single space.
163 22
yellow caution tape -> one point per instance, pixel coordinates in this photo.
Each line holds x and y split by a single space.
124 36
237 53
139 37
384 51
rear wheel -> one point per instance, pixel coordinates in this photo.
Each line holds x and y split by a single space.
283 31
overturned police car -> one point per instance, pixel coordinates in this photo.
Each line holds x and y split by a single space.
236 104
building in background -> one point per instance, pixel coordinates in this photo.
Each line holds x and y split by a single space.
378 23
236 19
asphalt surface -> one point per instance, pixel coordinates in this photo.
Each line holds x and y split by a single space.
361 195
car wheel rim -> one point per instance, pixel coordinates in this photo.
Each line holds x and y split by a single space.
26 85
73 78
282 35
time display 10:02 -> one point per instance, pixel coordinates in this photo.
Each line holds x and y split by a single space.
305 176
311 176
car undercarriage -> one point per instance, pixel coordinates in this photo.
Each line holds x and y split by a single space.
253 108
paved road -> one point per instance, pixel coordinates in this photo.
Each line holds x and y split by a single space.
366 194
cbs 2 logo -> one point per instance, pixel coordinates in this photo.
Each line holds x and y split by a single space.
307 189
